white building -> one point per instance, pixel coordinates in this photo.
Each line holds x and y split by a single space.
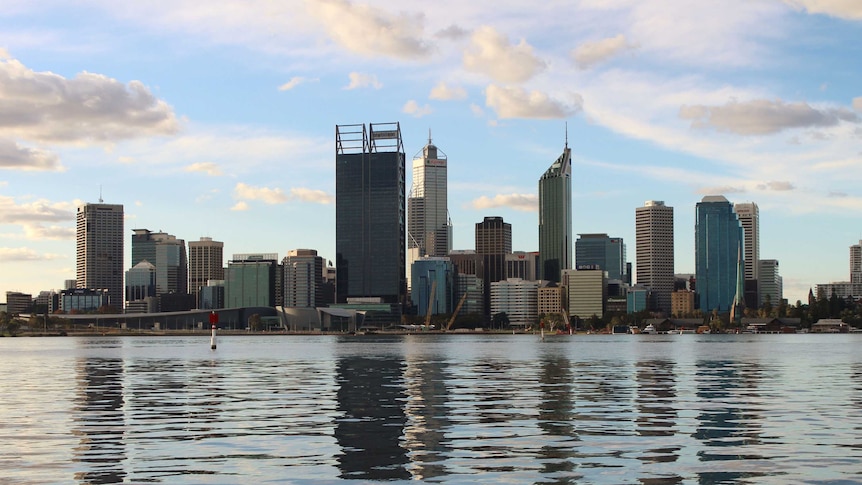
749 217
654 251
429 231
99 249
771 283
586 290
517 298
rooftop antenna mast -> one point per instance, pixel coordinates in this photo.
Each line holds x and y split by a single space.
100 194
567 134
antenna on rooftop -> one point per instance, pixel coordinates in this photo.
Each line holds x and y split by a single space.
100 194
429 136
567 134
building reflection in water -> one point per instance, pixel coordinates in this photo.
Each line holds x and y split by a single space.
371 398
556 420
100 421
657 416
729 424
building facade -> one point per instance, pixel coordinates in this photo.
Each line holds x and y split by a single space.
718 254
518 299
250 283
369 213
586 292
771 284
168 254
654 264
206 262
493 243
749 218
609 253
428 226
99 250
555 218
303 279
434 285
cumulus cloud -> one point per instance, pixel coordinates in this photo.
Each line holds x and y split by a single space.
208 168
309 195
515 102
244 192
412 108
240 206
847 9
294 82
724 189
445 92
46 107
4 54
857 104
360 80
39 219
25 254
13 155
763 117
477 110
593 52
370 31
779 186
521 202
490 53
452 32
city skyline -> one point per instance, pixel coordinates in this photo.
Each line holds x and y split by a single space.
219 123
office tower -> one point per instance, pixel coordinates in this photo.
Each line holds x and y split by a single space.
369 213
654 252
99 249
493 243
206 262
428 225
303 279
718 254
587 292
167 254
771 284
433 285
141 282
609 253
518 299
749 219
250 281
555 218
856 264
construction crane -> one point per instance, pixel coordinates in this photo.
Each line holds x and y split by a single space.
455 313
430 304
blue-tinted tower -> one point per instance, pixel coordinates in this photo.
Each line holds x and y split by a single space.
718 254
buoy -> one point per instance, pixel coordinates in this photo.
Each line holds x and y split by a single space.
212 339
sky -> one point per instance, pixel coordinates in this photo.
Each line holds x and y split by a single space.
218 118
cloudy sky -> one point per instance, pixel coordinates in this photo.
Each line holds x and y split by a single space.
217 118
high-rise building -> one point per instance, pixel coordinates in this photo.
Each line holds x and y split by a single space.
206 262
555 218
369 213
609 253
771 284
167 254
99 249
433 285
718 254
250 282
428 225
303 279
493 243
586 291
654 252
518 299
749 219
856 264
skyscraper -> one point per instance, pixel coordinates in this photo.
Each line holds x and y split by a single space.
555 218
493 243
206 262
749 218
369 213
609 253
771 284
167 254
654 251
428 225
303 279
99 249
718 254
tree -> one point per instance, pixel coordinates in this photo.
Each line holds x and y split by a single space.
254 322
500 320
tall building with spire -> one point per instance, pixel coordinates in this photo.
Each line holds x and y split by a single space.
369 213
555 217
718 254
99 249
654 252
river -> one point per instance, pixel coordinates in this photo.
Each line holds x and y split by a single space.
585 409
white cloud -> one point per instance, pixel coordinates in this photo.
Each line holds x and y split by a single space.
763 117
490 53
38 218
309 195
720 190
520 202
412 108
4 54
857 104
477 110
208 168
240 206
594 52
270 196
444 92
13 155
779 186
515 102
847 9
25 254
294 82
46 107
360 80
370 31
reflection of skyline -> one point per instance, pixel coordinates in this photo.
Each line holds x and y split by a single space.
556 413
100 421
656 413
370 399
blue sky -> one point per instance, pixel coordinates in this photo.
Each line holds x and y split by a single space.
217 118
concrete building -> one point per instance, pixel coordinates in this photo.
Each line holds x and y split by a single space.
17 302
99 250
654 258
303 279
749 218
518 299
370 214
550 299
206 262
771 283
718 254
586 290
521 264
434 283
429 230
555 218
682 303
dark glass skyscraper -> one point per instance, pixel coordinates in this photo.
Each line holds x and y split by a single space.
718 254
369 212
555 218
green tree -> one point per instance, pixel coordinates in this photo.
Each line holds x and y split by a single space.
254 322
500 320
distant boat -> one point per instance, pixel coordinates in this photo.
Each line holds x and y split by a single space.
649 329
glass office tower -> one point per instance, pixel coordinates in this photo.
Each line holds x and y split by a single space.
718 254
555 218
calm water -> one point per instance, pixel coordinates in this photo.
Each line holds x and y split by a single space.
445 408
